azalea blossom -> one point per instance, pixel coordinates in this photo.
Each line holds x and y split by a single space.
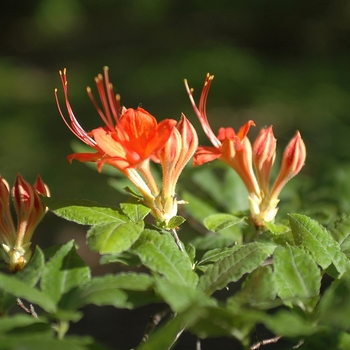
15 242
129 139
236 150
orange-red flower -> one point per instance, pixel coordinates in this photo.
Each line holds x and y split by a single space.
236 151
30 209
128 141
129 136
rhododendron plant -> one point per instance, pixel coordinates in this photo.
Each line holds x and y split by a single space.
247 271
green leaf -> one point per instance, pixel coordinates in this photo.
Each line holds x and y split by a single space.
9 323
127 258
217 254
340 231
216 321
191 252
84 212
175 221
233 267
21 289
297 274
135 212
318 242
30 274
165 337
161 255
64 271
114 237
218 222
289 324
334 307
111 290
40 341
180 297
277 229
258 289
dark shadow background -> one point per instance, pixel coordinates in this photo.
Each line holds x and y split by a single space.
281 63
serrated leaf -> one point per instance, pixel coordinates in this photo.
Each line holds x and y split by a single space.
110 290
63 272
233 267
216 254
84 212
114 237
340 231
218 222
318 242
258 289
180 297
161 255
297 274
135 212
20 289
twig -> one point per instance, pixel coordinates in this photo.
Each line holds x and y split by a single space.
265 342
153 323
177 239
177 337
29 311
198 344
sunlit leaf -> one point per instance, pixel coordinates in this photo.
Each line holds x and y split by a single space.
297 274
313 237
218 222
216 254
64 271
84 212
135 212
232 268
160 254
114 237
340 231
258 289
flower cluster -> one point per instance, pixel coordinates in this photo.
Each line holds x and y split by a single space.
30 209
129 140
236 150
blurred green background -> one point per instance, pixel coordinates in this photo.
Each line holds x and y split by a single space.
280 63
